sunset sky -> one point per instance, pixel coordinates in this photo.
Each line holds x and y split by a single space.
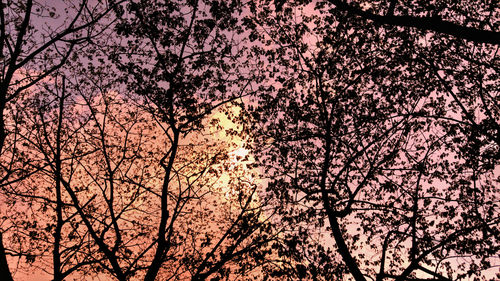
249 140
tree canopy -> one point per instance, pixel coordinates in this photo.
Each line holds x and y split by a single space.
250 140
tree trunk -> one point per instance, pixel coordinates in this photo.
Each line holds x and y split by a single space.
4 266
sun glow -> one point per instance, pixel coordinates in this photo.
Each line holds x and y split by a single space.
237 176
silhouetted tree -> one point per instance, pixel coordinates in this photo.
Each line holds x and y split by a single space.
35 41
184 60
382 136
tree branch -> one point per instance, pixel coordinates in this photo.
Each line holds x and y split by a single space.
425 23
